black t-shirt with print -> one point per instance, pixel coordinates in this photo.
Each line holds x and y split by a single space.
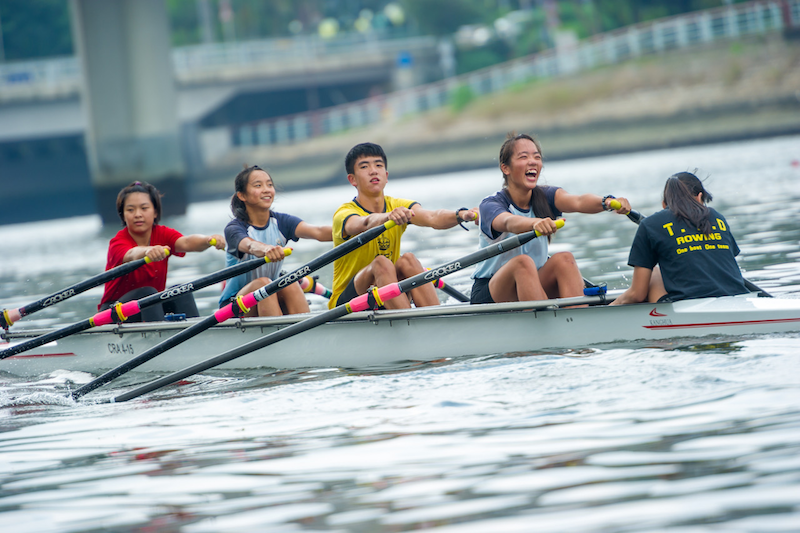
692 265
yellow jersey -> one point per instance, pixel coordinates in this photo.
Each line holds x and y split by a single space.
386 244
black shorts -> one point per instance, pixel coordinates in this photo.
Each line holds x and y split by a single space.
348 293
480 292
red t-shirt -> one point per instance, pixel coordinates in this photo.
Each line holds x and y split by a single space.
150 275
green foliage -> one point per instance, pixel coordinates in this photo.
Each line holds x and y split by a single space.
476 58
41 28
35 29
461 97
444 17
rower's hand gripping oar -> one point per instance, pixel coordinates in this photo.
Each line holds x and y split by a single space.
10 316
120 312
372 299
634 216
637 217
236 309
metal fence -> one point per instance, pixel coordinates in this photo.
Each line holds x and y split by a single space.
198 63
682 31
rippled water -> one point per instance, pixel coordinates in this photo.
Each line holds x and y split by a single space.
690 435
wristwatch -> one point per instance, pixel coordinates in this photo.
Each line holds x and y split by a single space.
603 203
459 219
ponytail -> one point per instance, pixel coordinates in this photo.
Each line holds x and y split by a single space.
680 197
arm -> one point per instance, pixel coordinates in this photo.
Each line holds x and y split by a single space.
356 224
587 203
640 286
519 224
259 249
155 253
319 233
442 218
199 243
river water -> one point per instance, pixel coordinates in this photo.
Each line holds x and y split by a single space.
689 436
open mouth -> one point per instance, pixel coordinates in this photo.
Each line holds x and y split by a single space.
532 173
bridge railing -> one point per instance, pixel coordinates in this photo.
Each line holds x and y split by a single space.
195 63
52 76
681 31
191 61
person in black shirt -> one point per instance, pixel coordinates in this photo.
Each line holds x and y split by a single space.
685 251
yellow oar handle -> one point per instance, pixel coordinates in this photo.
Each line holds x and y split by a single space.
212 241
147 260
559 225
614 204
286 252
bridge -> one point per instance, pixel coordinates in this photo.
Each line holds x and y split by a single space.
209 77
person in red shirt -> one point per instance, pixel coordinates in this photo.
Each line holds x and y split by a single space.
139 208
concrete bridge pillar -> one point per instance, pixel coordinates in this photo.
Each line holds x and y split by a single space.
130 100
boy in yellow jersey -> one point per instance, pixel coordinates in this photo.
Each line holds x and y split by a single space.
378 262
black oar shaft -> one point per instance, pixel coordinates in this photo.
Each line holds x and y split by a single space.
245 349
404 286
73 290
171 342
222 315
164 296
455 293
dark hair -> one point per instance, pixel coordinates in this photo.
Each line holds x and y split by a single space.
238 208
139 186
539 202
363 150
680 196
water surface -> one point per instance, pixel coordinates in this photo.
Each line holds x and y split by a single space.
687 435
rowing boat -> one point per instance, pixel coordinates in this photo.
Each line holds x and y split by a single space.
372 338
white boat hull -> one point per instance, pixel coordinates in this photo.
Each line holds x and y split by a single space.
384 337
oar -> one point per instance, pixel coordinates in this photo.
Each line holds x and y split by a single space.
749 285
238 308
451 291
310 284
121 311
10 316
374 298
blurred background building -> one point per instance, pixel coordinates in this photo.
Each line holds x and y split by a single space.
97 93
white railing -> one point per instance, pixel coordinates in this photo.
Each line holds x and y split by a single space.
680 31
50 76
205 62
62 76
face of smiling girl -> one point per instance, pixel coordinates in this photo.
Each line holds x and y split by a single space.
260 192
525 165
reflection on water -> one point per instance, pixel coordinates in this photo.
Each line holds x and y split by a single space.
686 435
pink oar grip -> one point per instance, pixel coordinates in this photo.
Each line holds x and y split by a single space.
226 313
106 317
131 308
14 315
361 303
319 289
249 300
102 318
